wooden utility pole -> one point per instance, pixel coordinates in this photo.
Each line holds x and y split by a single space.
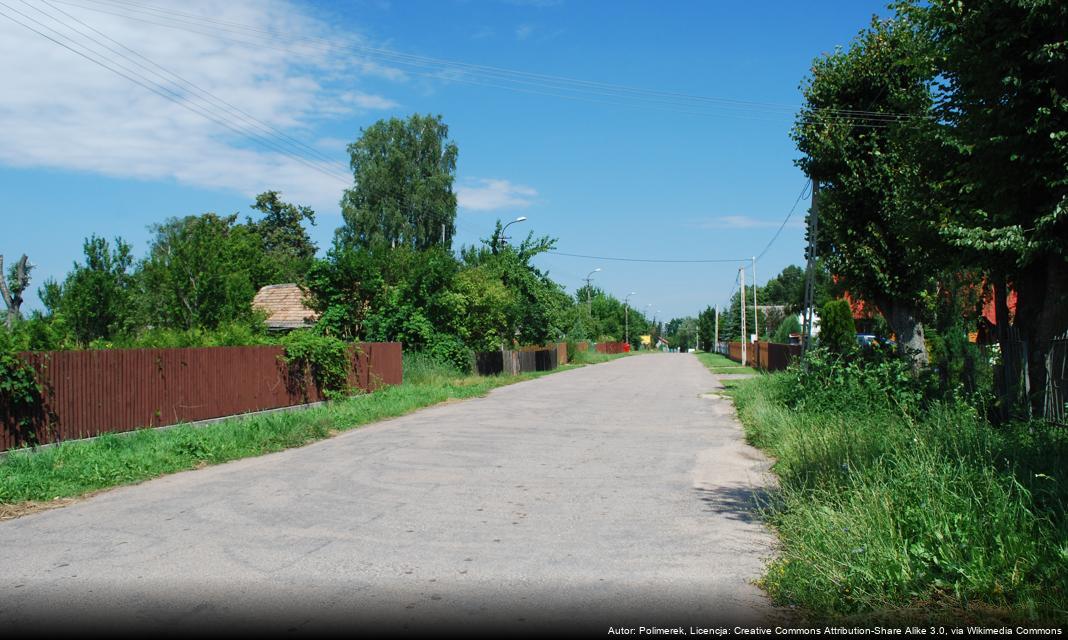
810 269
756 324
745 336
715 344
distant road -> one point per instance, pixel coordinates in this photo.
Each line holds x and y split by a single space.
613 494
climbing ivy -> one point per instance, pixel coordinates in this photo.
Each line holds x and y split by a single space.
21 400
326 358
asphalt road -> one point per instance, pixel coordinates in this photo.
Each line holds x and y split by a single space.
612 495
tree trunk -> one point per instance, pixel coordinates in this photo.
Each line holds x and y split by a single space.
1051 321
1007 366
13 296
909 332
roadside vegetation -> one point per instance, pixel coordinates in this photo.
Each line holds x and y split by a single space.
924 483
895 497
718 363
30 479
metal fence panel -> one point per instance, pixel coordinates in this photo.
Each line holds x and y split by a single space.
89 393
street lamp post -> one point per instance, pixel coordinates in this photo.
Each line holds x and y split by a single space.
626 314
502 239
589 290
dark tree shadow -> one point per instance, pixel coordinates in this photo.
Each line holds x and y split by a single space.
740 502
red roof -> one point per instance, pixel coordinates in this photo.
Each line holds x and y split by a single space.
988 307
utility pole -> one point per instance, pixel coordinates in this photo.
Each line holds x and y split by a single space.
745 337
715 343
756 325
810 269
589 291
626 314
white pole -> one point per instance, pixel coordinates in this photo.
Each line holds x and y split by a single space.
745 338
756 325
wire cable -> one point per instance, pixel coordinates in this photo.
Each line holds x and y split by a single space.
575 255
182 20
800 197
161 91
209 96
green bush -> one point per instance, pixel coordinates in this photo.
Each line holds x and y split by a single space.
326 358
789 325
889 500
837 332
452 351
423 368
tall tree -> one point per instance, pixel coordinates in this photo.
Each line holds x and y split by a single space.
404 171
13 285
1005 96
288 248
95 299
198 273
878 224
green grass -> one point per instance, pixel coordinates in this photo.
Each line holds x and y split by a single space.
717 363
592 357
76 468
932 514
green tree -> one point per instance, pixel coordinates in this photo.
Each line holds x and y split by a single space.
836 327
95 300
542 311
404 171
199 272
1005 98
288 249
706 329
790 324
879 223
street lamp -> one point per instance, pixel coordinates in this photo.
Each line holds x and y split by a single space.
589 290
626 314
502 238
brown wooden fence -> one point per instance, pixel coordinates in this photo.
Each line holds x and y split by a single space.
489 363
89 393
611 347
768 356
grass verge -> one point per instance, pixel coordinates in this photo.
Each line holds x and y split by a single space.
721 364
34 480
887 512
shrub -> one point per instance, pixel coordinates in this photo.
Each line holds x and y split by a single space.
326 358
789 325
890 496
837 332
452 351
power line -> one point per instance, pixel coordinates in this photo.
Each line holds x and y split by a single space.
182 20
575 255
136 6
227 106
162 91
800 196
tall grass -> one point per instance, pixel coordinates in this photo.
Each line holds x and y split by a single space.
888 503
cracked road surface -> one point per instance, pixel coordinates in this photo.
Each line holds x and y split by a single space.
619 494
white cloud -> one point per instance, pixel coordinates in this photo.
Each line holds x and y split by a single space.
524 31
743 222
489 194
60 110
367 100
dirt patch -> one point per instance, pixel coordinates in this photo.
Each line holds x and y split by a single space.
19 509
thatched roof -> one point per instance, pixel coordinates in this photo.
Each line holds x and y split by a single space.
284 304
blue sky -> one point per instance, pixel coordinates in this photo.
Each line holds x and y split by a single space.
609 172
